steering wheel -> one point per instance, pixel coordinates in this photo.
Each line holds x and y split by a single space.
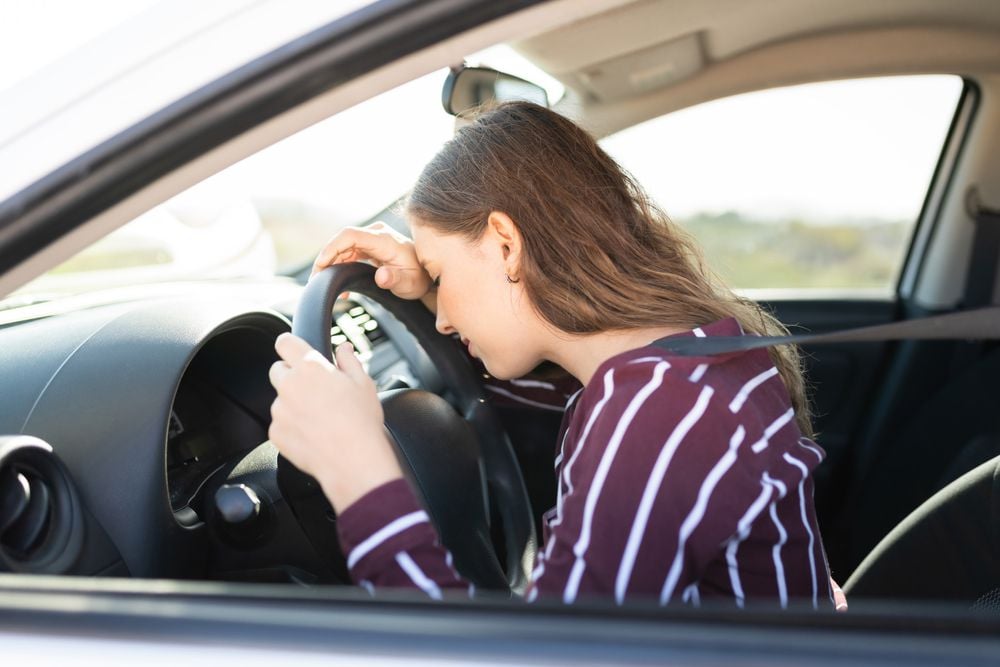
460 463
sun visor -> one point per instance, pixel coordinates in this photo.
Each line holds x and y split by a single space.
641 71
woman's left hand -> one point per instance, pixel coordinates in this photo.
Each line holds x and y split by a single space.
328 421
839 599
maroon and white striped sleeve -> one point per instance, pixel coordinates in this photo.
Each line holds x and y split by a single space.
389 542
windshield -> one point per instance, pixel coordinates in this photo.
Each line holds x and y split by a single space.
270 213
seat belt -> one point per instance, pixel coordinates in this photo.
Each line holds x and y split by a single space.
978 324
980 320
981 278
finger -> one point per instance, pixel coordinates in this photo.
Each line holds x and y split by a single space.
406 283
349 363
411 284
275 431
342 241
839 599
355 244
292 348
277 373
343 257
385 277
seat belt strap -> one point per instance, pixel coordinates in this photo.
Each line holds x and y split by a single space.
982 275
978 324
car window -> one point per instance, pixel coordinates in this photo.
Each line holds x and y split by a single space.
76 74
812 186
271 212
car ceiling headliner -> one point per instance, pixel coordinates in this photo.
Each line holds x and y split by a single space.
675 53
731 27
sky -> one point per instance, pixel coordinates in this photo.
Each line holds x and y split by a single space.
827 151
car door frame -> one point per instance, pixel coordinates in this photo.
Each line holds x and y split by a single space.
150 614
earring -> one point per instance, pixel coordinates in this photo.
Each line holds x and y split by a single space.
510 280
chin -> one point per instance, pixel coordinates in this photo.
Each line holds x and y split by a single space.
510 370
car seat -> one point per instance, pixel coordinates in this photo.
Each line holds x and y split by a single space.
948 549
952 431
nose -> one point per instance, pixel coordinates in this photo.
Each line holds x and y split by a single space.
442 323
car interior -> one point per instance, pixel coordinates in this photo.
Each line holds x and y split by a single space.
135 427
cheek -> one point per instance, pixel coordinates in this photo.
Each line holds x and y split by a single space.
473 297
462 304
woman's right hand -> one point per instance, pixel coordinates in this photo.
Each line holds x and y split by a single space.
393 255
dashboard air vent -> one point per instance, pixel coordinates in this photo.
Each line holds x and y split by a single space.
40 524
25 510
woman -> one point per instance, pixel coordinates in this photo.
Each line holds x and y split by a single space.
680 478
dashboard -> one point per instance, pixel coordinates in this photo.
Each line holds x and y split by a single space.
152 406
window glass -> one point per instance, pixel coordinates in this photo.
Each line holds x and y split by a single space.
813 186
272 212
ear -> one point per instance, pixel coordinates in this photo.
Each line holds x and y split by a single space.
504 232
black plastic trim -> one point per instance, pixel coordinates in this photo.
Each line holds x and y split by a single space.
345 622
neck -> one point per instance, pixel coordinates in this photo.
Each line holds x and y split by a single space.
582 355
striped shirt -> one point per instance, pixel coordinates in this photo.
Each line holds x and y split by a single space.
679 479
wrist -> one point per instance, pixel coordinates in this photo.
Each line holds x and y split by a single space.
344 485
342 495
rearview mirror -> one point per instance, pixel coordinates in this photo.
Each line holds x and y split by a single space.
468 88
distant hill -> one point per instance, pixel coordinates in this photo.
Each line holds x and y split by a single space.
799 253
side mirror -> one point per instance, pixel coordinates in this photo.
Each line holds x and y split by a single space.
468 88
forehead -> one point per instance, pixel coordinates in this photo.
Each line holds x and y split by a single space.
434 246
425 240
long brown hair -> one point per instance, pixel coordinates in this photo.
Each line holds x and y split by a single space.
598 253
